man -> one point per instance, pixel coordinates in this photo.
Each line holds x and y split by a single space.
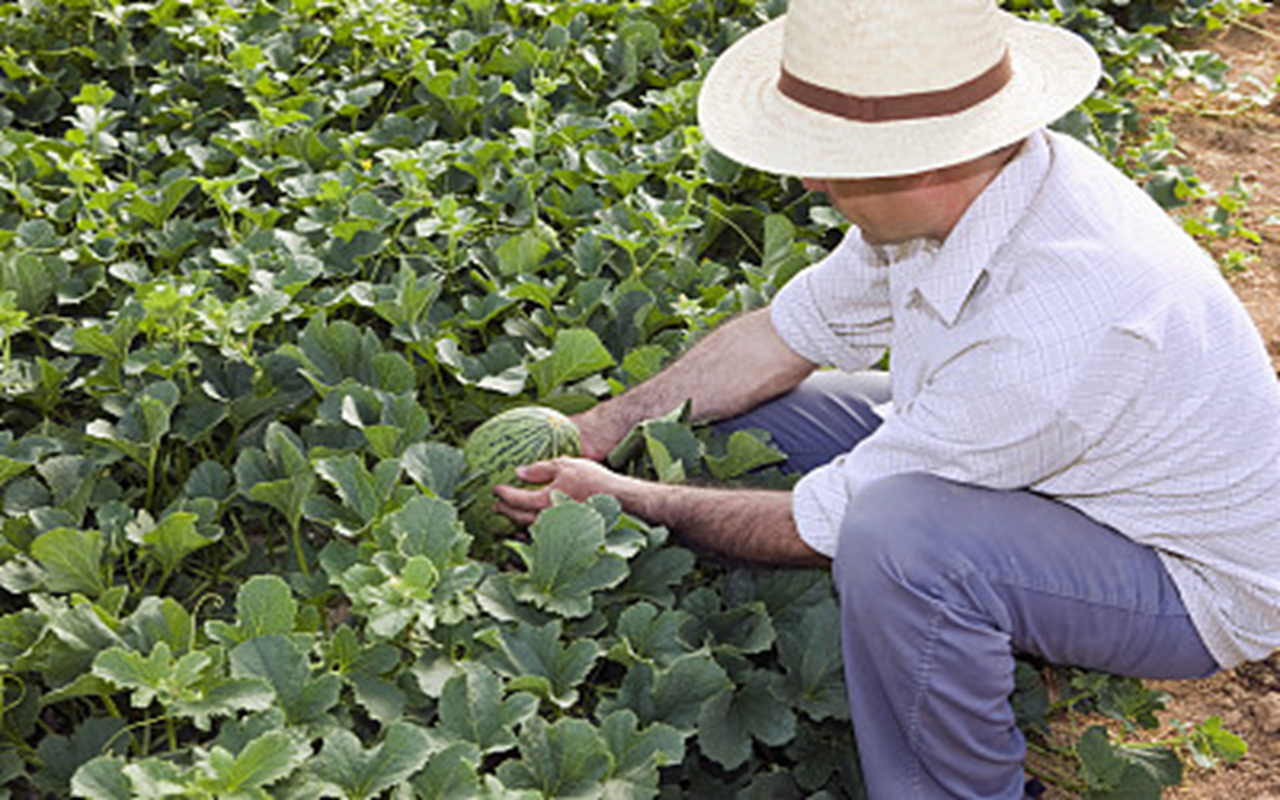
1082 456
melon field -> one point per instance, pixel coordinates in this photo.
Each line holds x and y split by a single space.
265 265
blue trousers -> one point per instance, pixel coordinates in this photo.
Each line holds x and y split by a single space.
941 584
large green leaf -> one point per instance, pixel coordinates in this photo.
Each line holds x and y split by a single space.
745 452
144 423
810 653
429 527
536 661
577 354
566 759
260 763
191 685
472 709
673 695
435 467
72 560
732 720
265 606
366 495
744 628
61 756
638 755
170 540
102 779
285 668
16 457
648 634
566 561
450 773
357 771
159 620
279 475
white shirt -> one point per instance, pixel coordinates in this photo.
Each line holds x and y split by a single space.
1068 338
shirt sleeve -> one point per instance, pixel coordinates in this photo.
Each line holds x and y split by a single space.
985 419
837 311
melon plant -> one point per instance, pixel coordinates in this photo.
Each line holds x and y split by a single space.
513 438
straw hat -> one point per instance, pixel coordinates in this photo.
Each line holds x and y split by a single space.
871 88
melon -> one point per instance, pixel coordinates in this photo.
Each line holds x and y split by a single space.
512 439
520 436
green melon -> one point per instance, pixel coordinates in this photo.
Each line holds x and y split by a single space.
511 439
520 436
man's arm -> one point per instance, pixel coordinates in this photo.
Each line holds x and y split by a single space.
737 367
751 524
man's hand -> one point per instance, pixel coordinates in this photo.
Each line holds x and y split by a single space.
756 525
579 478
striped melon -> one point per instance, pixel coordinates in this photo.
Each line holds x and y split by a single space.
511 439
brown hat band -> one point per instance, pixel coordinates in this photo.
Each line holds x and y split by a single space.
891 108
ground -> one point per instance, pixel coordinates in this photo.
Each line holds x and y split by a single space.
1220 142
1221 138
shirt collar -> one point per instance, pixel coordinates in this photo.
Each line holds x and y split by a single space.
945 276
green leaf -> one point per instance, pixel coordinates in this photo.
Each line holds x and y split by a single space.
780 253
267 759
280 476
731 720
656 570
153 676
61 756
637 755
72 560
367 495
535 660
472 709
72 637
563 760
1212 744
31 278
644 362
746 452
522 254
102 779
435 467
219 696
337 351
1149 772
566 561
649 635
672 695
427 526
744 628
360 772
673 449
15 457
159 620
577 354
1101 766
265 606
285 669
450 774
169 541
814 666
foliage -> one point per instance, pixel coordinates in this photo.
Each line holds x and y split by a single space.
262 266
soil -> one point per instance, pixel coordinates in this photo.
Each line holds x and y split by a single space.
1222 137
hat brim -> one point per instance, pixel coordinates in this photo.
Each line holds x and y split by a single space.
744 115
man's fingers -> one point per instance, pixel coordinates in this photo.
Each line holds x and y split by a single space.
538 472
520 516
517 497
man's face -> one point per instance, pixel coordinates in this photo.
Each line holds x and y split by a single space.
887 210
